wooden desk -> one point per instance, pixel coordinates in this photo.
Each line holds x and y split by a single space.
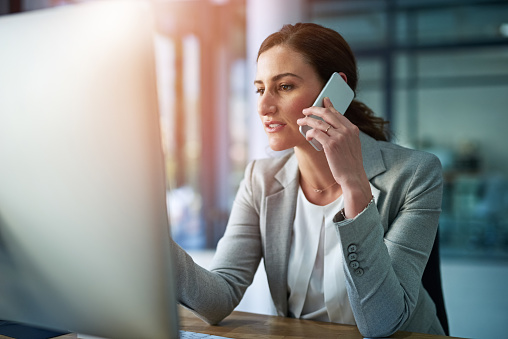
242 325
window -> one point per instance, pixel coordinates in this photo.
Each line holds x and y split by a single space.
437 70
201 70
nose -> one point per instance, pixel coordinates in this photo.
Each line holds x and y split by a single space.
266 104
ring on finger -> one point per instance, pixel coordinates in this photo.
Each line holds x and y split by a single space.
329 126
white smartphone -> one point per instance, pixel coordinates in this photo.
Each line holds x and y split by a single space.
341 96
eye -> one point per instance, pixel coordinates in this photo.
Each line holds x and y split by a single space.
260 91
285 87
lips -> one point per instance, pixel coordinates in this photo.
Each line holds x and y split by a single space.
274 126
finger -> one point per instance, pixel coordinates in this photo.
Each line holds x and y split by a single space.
327 129
320 136
329 112
314 110
327 102
319 114
318 124
338 118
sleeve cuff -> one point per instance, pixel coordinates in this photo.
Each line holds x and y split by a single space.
341 216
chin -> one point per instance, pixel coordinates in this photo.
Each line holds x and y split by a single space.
279 147
278 143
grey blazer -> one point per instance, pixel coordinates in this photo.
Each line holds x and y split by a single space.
392 239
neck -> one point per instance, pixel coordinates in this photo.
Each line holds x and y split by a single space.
316 179
314 167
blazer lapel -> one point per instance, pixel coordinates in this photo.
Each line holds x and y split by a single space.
280 214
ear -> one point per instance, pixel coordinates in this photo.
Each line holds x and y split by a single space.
343 75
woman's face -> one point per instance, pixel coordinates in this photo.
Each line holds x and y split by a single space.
286 84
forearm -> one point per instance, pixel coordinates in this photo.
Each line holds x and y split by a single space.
214 294
384 293
204 292
378 298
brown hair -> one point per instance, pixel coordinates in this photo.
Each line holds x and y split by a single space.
327 52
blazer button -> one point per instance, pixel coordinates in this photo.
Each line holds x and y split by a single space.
359 272
351 248
354 265
352 256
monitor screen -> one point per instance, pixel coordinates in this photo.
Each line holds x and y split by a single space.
84 233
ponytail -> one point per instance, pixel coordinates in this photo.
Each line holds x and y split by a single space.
363 117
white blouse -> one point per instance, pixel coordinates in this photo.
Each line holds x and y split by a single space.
315 292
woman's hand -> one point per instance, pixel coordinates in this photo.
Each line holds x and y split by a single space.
341 143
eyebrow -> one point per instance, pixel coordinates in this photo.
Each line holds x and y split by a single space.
279 76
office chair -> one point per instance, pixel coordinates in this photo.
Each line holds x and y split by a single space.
431 280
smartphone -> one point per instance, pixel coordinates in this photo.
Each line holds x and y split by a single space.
341 96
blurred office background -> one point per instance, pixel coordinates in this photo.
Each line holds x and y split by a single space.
438 70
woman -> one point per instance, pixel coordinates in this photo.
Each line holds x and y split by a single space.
345 233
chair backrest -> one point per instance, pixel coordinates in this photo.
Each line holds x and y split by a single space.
432 283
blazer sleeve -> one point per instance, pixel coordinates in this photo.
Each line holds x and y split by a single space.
213 294
383 277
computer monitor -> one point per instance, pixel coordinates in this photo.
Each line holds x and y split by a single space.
84 232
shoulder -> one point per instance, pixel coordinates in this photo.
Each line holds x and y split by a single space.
391 161
269 167
395 166
409 173
398 158
408 179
